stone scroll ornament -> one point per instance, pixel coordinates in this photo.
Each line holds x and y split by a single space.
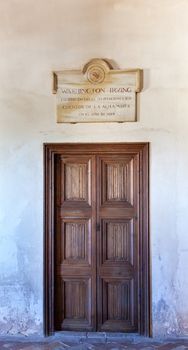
97 93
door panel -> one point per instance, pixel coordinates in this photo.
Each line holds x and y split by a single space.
117 263
117 306
117 241
75 262
75 242
77 303
117 180
76 181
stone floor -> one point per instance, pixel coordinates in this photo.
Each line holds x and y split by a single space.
91 342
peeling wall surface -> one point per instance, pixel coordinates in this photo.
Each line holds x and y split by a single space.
37 37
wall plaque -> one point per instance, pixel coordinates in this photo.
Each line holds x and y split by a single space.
98 93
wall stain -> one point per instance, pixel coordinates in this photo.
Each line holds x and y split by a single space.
166 320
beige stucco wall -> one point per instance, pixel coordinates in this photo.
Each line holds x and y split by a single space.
37 37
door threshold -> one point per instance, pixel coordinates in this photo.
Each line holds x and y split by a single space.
97 337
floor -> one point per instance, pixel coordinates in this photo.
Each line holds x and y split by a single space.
91 342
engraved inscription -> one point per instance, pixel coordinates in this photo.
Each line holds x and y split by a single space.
96 104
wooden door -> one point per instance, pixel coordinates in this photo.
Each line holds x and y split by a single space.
97 232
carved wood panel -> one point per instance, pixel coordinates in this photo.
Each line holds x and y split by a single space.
117 241
117 179
75 241
76 177
118 301
117 304
76 307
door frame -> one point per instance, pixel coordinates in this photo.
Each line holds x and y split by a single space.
50 150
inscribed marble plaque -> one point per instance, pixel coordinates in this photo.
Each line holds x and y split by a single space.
97 93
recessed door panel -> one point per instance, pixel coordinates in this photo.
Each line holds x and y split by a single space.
117 241
76 180
75 242
117 305
76 309
117 180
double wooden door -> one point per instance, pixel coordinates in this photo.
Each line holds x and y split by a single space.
98 238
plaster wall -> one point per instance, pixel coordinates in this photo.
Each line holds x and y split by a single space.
37 37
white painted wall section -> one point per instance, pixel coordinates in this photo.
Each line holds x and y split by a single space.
37 37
